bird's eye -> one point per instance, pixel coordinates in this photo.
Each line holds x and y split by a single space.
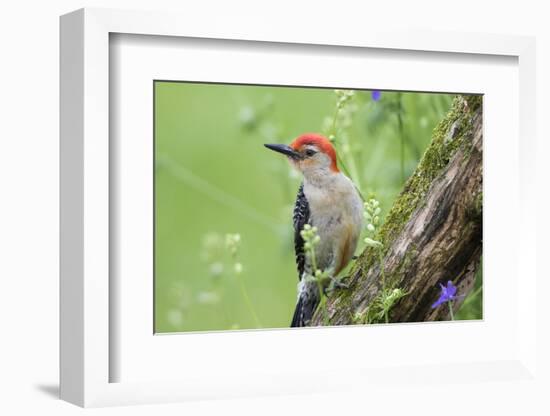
310 152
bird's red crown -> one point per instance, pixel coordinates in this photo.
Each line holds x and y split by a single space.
321 142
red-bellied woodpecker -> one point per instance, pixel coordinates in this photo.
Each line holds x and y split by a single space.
329 201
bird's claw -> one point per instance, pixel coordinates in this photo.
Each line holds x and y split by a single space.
335 284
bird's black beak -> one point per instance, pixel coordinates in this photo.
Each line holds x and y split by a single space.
284 149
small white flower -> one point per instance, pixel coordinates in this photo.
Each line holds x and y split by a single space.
247 115
175 317
216 269
208 298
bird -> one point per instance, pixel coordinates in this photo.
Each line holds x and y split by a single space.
329 201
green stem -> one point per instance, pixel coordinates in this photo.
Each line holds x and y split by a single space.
451 310
342 165
322 299
313 259
382 273
221 308
402 136
248 302
472 296
323 304
244 292
347 173
354 175
383 276
334 117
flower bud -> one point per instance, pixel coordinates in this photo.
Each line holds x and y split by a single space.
372 243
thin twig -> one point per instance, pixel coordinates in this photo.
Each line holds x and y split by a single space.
184 175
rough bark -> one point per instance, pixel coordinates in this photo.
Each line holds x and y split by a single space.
433 232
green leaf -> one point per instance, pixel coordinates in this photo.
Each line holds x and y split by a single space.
372 243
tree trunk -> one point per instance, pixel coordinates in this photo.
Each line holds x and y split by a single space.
432 234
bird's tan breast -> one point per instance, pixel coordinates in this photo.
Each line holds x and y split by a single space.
337 212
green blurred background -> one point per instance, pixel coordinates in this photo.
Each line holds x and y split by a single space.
214 177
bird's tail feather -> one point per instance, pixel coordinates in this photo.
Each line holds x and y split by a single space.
305 308
297 317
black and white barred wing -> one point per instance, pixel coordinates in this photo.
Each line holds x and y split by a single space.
300 218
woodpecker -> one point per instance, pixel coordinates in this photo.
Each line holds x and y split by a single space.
328 200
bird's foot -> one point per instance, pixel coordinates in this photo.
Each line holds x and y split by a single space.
336 284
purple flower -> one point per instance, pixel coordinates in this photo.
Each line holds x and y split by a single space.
448 293
376 94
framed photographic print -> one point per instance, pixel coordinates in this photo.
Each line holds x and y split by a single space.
227 198
238 230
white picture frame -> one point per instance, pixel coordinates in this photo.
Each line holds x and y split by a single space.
87 302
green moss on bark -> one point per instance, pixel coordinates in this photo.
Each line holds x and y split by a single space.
452 134
449 136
